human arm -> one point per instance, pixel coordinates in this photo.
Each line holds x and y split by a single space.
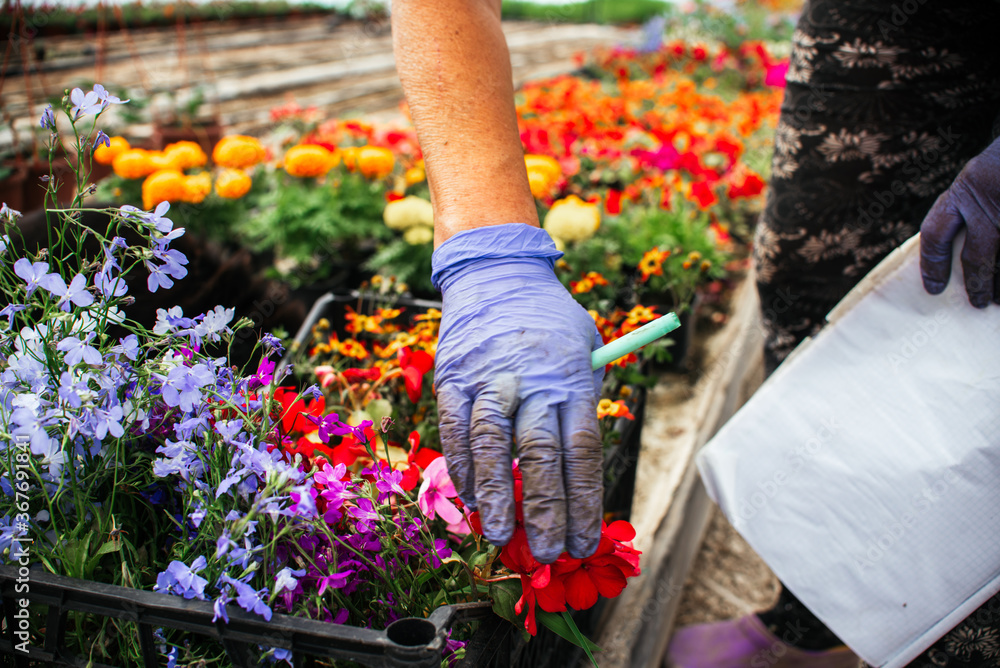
513 357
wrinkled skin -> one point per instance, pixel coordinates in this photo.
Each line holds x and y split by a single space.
972 201
513 364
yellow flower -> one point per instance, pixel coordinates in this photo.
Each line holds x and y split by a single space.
375 162
419 235
309 160
165 185
238 152
608 408
105 155
133 164
197 187
414 175
350 155
543 172
185 155
572 219
402 214
232 183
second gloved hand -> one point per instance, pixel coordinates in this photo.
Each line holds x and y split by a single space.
513 364
972 201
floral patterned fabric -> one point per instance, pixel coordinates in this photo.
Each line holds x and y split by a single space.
885 103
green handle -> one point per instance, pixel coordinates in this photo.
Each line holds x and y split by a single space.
648 333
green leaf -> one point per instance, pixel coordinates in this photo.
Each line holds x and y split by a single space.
562 624
505 595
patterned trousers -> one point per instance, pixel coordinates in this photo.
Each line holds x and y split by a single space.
885 103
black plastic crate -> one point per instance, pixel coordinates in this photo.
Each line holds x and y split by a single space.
408 642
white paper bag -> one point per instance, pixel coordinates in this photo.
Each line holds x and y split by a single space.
866 470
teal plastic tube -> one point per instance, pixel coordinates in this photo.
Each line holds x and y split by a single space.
632 341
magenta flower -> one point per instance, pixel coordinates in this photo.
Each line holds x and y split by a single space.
435 491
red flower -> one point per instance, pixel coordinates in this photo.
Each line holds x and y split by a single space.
415 363
702 193
418 459
294 411
362 375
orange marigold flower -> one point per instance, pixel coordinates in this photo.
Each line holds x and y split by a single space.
133 164
639 315
615 409
589 281
233 183
350 157
543 173
166 185
414 175
353 349
196 187
185 155
105 155
238 152
375 162
308 160
651 263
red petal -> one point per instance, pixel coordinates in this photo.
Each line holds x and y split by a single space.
620 530
553 597
541 577
411 476
414 382
580 590
608 580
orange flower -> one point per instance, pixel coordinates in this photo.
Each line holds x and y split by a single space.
105 155
651 263
543 173
133 164
589 281
414 175
350 156
614 409
185 155
639 315
166 185
309 160
238 152
233 183
375 162
197 187
353 349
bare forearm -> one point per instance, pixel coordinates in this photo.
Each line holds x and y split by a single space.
455 68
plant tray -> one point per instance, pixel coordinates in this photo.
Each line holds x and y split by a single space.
406 642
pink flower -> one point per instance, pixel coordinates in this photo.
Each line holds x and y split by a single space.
435 491
776 73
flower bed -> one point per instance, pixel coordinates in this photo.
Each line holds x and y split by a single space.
310 491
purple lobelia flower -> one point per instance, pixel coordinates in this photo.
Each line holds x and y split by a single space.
48 121
182 385
155 219
36 274
85 104
183 580
75 293
78 351
102 139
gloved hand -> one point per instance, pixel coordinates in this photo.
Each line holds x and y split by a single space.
513 364
972 200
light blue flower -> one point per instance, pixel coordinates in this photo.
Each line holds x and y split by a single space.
182 385
85 104
78 351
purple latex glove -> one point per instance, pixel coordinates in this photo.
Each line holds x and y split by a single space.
973 200
513 364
